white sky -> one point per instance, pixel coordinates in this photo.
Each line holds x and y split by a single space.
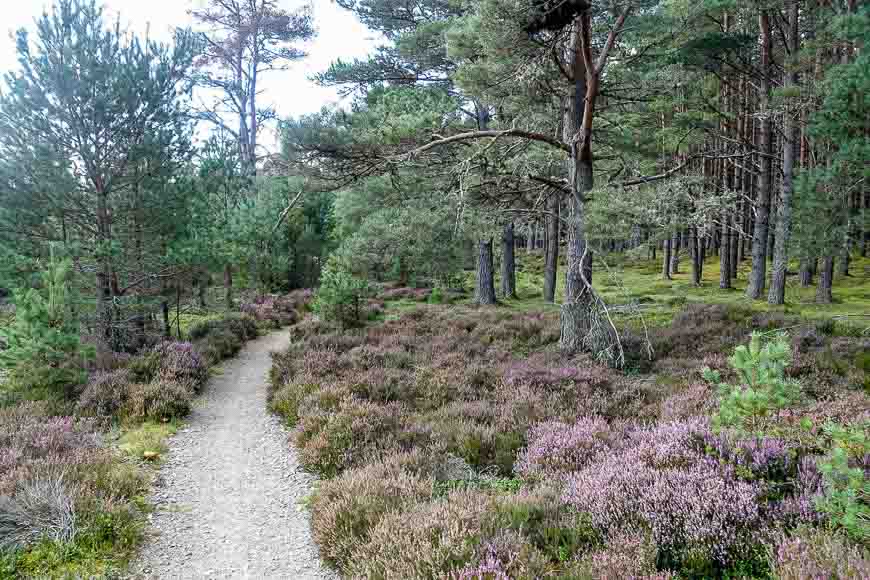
340 35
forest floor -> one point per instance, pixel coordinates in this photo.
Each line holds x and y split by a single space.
227 499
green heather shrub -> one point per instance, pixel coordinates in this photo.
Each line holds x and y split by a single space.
105 394
286 400
159 399
427 541
818 553
219 345
354 434
241 325
764 388
847 487
345 509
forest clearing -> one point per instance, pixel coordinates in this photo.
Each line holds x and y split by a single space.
461 289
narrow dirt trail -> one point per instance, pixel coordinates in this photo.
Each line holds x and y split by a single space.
227 498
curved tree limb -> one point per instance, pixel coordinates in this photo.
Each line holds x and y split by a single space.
540 137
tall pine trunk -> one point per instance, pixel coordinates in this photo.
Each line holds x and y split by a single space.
508 263
484 292
790 134
826 280
757 277
666 261
551 265
808 267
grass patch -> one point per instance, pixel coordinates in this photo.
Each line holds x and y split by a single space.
626 281
148 437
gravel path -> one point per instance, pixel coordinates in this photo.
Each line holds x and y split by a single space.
227 497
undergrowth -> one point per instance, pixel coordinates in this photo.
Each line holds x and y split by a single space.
459 442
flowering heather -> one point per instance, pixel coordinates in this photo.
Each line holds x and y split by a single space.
557 448
630 555
31 444
179 362
105 393
477 397
660 481
271 310
505 556
755 458
696 400
818 554
541 370
417 294
425 541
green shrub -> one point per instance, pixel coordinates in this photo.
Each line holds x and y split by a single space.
764 388
105 394
219 345
159 399
345 509
428 541
286 400
341 296
43 349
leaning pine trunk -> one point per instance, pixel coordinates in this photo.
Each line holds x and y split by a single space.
508 263
485 291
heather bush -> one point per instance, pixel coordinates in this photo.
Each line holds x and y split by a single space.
286 400
219 345
540 515
356 433
699 516
105 394
556 449
271 311
33 444
430 540
702 329
631 554
180 363
506 556
345 509
159 399
818 553
242 326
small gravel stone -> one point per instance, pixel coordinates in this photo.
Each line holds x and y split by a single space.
227 497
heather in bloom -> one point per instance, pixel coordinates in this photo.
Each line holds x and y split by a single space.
180 363
557 448
817 553
661 482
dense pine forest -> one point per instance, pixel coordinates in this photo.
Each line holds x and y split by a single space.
560 289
